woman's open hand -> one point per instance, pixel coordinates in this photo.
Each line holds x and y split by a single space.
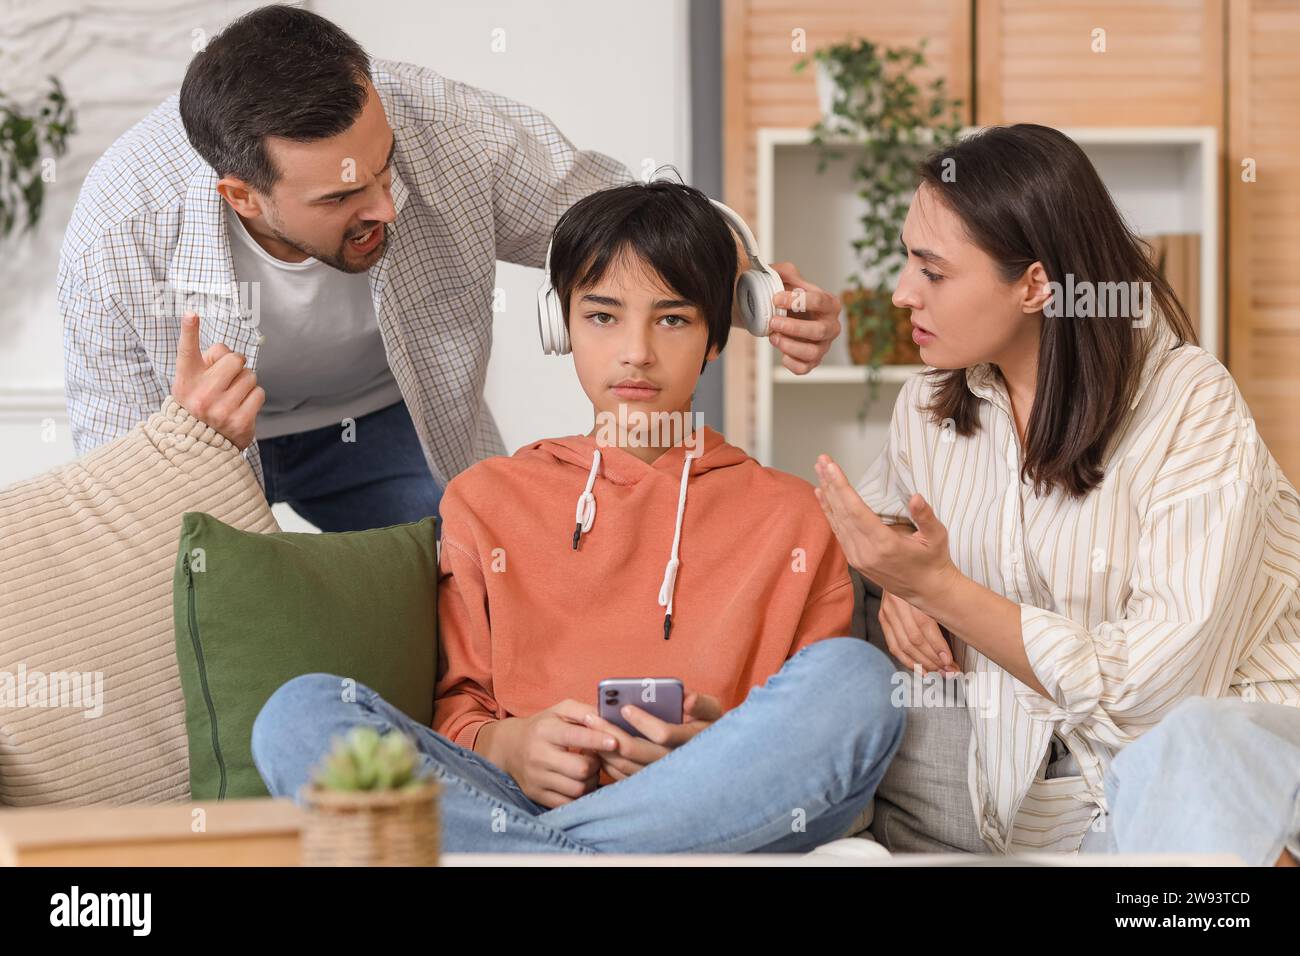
916 567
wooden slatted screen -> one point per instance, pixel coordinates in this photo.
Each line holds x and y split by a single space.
1264 218
1162 65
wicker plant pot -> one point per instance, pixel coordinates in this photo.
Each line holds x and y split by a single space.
371 828
900 350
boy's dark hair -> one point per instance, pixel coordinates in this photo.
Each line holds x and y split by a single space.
275 71
672 227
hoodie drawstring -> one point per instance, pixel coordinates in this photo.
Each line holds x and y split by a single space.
586 511
670 570
585 514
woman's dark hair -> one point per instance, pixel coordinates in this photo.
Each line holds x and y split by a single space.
275 71
1026 194
672 227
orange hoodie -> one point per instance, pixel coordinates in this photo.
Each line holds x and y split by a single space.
526 620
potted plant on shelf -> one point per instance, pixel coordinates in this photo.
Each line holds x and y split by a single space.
367 806
871 103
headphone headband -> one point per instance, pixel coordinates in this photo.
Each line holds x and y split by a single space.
751 303
739 227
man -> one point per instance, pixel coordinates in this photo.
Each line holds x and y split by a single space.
336 223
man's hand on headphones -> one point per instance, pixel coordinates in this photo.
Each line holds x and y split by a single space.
214 386
811 322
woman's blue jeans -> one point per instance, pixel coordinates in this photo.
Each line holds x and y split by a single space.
788 769
1217 775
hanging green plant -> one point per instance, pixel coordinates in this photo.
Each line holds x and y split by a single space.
876 113
30 139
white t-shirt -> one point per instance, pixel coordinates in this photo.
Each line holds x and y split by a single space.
322 359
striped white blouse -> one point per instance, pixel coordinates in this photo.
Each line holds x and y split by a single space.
1176 576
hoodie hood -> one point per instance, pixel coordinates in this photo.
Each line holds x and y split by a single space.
624 468
706 452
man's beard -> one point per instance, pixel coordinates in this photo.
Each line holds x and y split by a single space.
337 259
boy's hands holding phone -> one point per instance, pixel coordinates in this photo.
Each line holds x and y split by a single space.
551 755
635 753
556 755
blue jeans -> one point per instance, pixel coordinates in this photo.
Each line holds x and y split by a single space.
381 478
788 769
1214 776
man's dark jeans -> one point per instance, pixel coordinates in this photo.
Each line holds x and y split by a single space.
376 480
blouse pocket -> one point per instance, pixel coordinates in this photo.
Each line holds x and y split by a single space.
1054 816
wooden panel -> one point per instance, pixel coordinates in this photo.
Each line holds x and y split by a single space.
1264 219
1179 259
760 89
1163 62
1164 65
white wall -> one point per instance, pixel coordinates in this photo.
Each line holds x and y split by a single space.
613 77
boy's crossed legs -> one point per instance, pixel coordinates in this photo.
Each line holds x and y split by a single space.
788 769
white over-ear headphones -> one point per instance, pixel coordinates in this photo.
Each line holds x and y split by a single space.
751 303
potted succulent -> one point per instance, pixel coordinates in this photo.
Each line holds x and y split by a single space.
367 806
25 135
871 103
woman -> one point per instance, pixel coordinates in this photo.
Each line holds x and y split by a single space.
1083 501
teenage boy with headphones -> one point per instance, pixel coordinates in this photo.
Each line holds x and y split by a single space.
634 552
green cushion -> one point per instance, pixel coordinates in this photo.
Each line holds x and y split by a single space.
254 610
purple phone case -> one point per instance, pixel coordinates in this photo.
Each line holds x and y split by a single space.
665 701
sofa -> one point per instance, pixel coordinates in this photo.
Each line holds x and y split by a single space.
86 557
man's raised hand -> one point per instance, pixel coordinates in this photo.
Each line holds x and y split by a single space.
215 387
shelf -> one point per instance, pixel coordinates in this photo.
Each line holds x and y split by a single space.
844 375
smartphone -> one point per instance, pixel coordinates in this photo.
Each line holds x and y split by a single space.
660 696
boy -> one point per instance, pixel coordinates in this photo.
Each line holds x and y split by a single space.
550 564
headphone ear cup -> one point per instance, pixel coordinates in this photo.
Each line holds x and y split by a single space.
559 331
754 296
550 322
775 285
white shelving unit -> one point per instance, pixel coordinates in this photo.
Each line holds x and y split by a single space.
1162 178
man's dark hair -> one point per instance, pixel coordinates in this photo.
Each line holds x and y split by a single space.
275 71
672 227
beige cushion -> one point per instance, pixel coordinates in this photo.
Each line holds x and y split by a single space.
87 553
